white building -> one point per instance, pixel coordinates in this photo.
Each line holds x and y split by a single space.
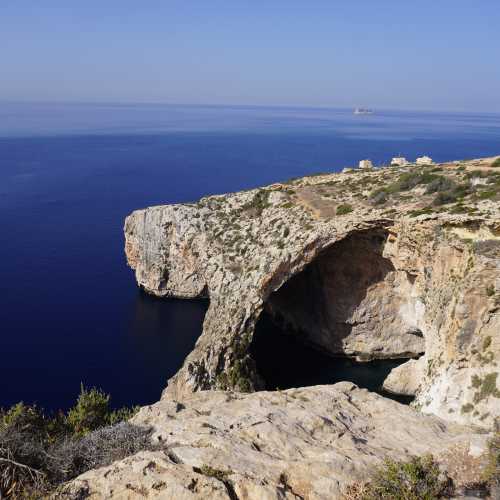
365 164
400 161
424 160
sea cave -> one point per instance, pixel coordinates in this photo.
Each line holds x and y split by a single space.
339 319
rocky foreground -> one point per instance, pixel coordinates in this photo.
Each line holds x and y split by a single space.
309 443
392 263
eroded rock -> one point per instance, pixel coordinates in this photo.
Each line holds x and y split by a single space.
308 443
406 378
381 280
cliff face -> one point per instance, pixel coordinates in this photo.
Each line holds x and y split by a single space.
350 272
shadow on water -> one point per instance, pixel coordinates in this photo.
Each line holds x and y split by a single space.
161 333
284 361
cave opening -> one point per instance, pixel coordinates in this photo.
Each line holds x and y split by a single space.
338 320
285 361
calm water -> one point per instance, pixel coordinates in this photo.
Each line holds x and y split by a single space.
284 361
69 174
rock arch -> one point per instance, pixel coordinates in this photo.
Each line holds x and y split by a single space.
349 301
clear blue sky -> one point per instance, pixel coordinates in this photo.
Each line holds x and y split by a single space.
438 54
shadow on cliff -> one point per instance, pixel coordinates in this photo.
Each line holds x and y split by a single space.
284 361
318 303
299 338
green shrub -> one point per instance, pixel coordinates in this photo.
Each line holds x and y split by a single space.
379 196
220 475
467 408
487 387
259 202
458 209
39 451
417 479
121 415
450 196
344 209
462 190
408 181
490 193
492 473
21 416
444 198
428 177
421 211
486 343
90 412
405 182
439 184
496 163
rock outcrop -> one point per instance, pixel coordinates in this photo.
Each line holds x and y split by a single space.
362 264
309 443
405 379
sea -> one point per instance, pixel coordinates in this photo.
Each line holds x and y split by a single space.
70 310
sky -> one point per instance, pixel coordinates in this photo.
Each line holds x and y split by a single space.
424 55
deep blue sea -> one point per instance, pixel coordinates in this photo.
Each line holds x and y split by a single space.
70 311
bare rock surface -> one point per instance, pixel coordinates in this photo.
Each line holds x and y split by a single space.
362 264
406 378
308 443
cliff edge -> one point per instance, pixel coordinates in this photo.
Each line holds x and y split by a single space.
392 263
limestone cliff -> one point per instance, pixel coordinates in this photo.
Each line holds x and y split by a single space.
391 263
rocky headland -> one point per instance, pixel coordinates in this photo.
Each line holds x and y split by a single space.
397 262
390 263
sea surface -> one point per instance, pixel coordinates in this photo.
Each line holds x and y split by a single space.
70 311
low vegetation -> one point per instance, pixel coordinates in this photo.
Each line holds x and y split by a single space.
259 202
420 478
487 386
220 475
405 182
416 479
477 184
38 452
344 209
492 472
439 184
496 163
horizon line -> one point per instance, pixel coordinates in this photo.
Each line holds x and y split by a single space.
255 106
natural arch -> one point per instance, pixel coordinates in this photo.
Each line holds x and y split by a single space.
349 304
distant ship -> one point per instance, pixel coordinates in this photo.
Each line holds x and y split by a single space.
363 111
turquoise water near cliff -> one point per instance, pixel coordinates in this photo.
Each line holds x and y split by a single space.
70 311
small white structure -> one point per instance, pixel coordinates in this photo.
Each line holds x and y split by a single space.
399 161
365 164
478 181
347 169
424 160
